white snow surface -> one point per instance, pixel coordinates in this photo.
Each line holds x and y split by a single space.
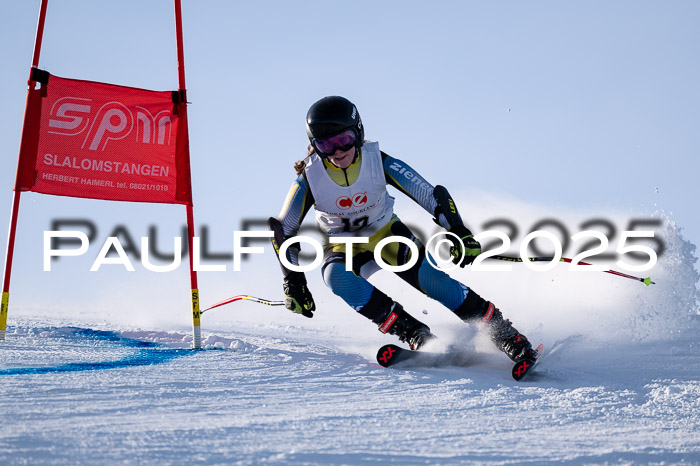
620 382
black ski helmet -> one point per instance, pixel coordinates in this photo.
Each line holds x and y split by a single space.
332 115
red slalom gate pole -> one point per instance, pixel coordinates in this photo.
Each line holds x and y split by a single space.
39 35
4 301
196 314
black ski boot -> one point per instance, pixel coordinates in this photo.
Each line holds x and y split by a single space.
501 331
394 320
506 337
406 327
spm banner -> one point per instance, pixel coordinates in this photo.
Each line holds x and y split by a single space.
101 141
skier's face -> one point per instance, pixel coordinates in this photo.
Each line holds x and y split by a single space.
343 159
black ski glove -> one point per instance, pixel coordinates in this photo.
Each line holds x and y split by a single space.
297 298
465 250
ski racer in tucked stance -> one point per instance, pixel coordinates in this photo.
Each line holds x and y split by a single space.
344 178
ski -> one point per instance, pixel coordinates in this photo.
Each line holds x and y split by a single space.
524 367
392 355
389 355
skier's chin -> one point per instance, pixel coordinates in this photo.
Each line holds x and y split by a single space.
343 159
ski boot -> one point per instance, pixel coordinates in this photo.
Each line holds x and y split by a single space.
406 327
506 337
394 320
502 333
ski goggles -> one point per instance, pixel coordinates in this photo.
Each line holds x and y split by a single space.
343 141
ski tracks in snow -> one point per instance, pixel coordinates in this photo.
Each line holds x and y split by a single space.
258 397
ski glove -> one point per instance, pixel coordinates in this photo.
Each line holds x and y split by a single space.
298 299
464 250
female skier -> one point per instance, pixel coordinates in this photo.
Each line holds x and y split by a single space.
344 178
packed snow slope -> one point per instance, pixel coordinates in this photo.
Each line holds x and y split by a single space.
620 383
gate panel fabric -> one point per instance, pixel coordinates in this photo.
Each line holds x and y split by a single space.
102 141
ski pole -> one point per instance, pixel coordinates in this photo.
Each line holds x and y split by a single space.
245 297
647 281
